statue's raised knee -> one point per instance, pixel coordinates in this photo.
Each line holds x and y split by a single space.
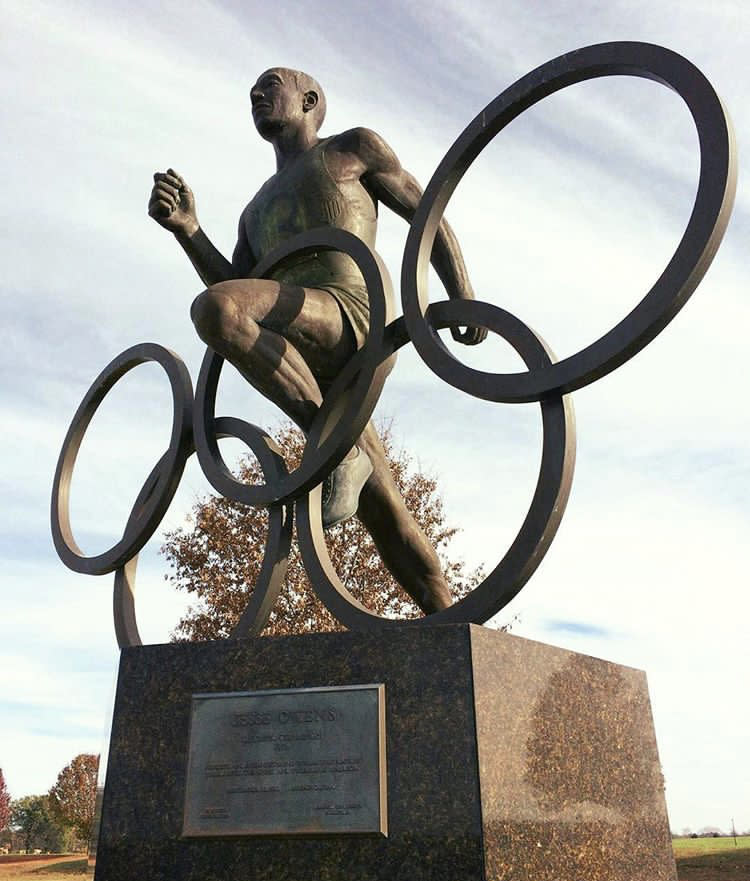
210 313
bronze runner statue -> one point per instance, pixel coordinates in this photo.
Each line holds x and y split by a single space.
289 336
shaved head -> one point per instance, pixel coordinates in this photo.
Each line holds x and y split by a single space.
305 83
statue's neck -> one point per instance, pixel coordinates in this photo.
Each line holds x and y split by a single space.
292 143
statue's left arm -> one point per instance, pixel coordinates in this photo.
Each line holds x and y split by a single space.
398 190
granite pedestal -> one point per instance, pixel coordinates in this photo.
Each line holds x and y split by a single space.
504 759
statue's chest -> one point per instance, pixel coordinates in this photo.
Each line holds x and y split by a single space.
299 198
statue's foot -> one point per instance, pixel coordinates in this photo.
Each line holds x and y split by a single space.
342 487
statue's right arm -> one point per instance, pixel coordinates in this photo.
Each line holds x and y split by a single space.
172 205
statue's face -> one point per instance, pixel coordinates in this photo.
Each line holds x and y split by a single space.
276 102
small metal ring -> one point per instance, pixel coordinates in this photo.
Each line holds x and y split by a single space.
273 568
348 404
162 482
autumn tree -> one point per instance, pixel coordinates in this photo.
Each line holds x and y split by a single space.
217 557
73 796
4 803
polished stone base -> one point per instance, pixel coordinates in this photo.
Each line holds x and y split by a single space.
506 759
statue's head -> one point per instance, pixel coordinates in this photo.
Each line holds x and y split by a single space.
282 96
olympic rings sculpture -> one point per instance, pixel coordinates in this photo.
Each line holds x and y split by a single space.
350 401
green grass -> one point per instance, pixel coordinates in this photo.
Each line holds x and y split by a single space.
687 847
712 859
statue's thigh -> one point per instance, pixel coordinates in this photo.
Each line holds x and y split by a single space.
311 320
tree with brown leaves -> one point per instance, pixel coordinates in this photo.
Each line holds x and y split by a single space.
73 796
218 556
4 803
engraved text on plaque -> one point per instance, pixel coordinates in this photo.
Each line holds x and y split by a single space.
302 761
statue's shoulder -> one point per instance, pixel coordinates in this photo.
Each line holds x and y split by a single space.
360 140
364 151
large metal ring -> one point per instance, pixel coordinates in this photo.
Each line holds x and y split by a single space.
539 526
273 568
346 407
159 487
708 221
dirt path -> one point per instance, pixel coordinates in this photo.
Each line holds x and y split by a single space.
54 867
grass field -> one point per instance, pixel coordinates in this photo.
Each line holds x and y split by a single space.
713 859
684 847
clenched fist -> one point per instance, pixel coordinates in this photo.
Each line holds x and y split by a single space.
172 204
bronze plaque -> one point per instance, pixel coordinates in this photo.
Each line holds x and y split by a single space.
302 761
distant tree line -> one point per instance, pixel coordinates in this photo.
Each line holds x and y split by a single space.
61 820
708 832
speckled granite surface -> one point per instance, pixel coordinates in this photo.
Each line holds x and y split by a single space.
554 750
571 786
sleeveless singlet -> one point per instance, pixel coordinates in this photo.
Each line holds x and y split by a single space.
301 197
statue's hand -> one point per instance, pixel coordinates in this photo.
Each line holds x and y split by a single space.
172 204
469 336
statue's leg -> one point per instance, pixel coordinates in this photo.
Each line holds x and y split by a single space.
285 340
280 337
402 544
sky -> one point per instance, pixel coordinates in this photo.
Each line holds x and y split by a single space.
566 220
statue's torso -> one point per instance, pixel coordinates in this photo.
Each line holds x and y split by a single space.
303 196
